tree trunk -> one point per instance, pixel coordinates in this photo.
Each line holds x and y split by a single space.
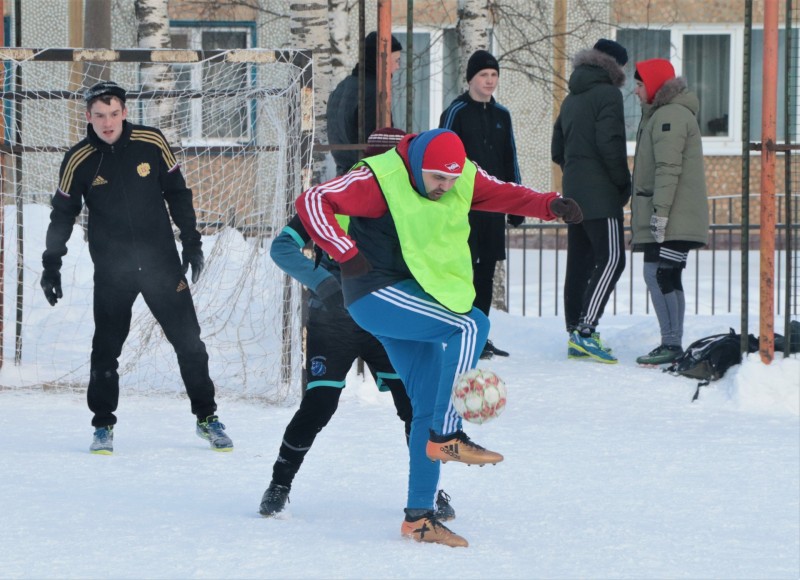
152 31
309 29
473 30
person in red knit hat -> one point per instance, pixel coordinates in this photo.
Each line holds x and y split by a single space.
407 279
333 342
669 212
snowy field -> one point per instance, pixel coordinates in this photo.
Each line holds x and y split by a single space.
610 472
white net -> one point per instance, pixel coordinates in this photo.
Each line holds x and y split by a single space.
241 125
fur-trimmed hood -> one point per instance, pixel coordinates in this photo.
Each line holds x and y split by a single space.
676 91
591 66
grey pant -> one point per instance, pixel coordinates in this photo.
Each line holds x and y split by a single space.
663 280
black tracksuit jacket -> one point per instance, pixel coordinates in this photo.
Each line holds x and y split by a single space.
131 189
485 129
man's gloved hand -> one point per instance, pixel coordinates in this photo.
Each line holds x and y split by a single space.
330 293
51 284
567 209
658 227
193 257
515 220
356 266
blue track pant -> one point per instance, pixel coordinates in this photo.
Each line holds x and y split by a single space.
429 346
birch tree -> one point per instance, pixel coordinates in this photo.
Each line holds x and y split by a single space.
473 30
309 29
152 31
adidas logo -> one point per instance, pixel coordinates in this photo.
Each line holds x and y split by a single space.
181 286
451 450
99 180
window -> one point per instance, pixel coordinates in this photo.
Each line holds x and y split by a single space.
435 81
707 69
212 119
704 56
756 78
641 44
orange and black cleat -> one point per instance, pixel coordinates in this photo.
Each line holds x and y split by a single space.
427 528
458 447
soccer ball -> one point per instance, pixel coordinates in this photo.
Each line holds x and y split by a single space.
479 396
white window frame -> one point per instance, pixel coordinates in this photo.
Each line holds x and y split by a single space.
194 32
730 144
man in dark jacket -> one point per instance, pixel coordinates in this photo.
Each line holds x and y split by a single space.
131 183
343 107
589 145
484 127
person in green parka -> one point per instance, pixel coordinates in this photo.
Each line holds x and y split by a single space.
670 204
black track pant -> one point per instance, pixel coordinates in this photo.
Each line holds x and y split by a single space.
483 280
595 261
333 342
170 301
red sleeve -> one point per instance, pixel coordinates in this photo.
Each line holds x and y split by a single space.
354 194
497 196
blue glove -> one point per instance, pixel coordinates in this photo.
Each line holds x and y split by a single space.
658 227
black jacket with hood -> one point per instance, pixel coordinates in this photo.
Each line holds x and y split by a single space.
488 137
589 141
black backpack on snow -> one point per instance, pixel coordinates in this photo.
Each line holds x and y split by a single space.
707 359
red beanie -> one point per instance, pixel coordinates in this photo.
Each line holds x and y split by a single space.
381 140
654 73
444 154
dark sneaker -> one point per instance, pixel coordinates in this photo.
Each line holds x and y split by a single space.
444 511
274 500
494 350
486 354
103 442
590 346
214 432
458 447
663 354
429 529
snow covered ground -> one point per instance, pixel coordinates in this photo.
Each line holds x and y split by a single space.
610 472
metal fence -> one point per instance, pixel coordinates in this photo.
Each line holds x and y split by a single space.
536 266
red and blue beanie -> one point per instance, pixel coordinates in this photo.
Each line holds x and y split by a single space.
437 150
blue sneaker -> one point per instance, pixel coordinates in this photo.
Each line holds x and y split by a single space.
214 432
103 442
588 345
575 353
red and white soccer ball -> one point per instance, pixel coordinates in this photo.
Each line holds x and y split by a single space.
479 395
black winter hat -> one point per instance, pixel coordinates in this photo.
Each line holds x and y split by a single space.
480 60
371 43
612 49
104 88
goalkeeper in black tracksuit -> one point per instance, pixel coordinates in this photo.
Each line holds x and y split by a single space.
132 185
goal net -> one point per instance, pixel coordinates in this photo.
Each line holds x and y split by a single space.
241 125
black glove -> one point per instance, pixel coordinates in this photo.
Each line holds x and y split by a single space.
515 220
51 284
330 293
356 266
567 209
193 256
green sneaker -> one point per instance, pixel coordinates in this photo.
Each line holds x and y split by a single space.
214 432
103 441
661 355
